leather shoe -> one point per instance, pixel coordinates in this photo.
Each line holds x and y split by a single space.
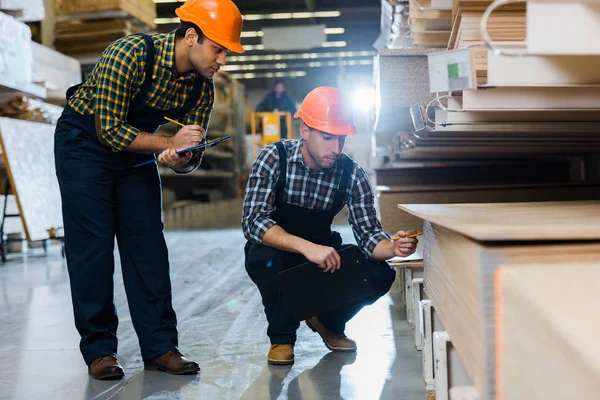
281 354
333 341
106 367
172 362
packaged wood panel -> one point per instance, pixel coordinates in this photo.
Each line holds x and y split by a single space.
547 346
26 11
464 246
56 71
16 62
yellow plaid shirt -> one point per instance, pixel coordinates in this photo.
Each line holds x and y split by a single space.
117 78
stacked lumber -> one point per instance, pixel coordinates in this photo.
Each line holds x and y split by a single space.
86 38
142 10
466 244
507 25
430 23
85 28
559 357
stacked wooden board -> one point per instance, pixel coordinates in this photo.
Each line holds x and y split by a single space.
465 246
556 304
430 23
85 28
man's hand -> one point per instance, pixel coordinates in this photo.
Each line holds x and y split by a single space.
172 159
325 257
404 246
186 137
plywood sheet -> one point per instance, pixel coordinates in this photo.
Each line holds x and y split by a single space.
28 150
459 278
547 346
534 221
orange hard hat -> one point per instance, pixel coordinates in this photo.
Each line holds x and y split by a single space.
327 110
219 20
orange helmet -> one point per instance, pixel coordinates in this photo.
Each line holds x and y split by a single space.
220 21
327 110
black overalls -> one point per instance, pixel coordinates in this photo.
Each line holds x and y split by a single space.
103 196
263 263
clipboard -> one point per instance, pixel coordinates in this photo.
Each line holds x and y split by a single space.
308 291
210 143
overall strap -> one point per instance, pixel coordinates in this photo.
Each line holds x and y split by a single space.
340 193
145 88
280 187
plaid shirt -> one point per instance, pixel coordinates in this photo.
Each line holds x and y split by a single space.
309 189
117 78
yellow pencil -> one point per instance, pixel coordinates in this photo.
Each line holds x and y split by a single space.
414 235
173 121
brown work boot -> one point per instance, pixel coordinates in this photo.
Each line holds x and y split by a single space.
333 341
172 362
106 367
281 354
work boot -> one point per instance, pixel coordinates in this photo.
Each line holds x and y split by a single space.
281 354
172 362
333 341
106 367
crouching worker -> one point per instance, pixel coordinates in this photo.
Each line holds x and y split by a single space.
294 191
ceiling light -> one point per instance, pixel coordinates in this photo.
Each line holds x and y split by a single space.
341 43
296 15
312 64
334 31
301 56
250 47
252 75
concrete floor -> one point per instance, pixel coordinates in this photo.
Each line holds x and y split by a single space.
221 325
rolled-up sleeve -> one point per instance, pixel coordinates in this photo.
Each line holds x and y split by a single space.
259 196
362 215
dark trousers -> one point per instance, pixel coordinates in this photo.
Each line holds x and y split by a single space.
263 263
103 197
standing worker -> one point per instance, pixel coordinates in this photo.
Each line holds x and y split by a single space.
107 126
279 101
294 191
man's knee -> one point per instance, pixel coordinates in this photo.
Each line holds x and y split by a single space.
384 278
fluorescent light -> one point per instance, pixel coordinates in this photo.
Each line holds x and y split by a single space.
296 15
252 75
253 34
258 17
311 64
254 47
163 21
328 31
334 31
341 43
301 56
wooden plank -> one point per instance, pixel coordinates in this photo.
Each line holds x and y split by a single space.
536 221
539 70
563 29
394 218
459 280
27 149
535 98
547 346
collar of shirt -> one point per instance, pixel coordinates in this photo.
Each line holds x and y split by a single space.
166 56
299 159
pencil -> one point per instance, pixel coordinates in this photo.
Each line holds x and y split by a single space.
414 235
173 121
